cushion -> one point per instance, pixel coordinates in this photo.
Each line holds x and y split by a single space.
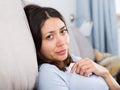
18 63
112 63
100 56
84 46
74 50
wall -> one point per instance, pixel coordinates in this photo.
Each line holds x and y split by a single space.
117 2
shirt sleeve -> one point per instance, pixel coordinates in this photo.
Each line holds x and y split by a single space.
50 79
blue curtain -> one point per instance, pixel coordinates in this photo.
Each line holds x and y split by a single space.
104 35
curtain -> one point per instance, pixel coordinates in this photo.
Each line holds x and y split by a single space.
104 36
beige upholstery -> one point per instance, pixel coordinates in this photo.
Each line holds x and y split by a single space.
18 64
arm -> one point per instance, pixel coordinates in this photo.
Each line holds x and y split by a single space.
113 85
50 79
86 66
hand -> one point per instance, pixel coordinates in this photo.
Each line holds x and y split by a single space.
86 66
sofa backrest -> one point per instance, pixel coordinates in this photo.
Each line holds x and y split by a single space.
80 46
18 63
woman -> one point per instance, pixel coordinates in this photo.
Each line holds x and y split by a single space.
57 68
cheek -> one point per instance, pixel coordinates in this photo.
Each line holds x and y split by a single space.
47 47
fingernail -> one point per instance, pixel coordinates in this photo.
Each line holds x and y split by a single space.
89 74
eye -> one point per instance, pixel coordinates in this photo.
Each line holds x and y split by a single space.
64 31
49 37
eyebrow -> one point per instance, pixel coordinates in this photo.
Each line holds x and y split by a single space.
59 29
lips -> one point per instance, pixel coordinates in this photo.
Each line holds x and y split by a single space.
62 52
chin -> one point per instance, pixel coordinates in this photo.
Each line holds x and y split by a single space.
62 58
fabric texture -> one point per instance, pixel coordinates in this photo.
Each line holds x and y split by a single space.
112 63
18 63
99 56
84 47
51 78
73 47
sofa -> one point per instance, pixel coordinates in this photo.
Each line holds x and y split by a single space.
18 63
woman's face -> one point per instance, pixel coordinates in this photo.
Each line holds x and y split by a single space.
55 39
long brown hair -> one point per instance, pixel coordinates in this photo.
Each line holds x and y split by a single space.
37 16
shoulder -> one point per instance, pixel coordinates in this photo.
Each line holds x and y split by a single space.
48 67
46 71
50 75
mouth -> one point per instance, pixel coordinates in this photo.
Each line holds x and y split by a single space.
62 52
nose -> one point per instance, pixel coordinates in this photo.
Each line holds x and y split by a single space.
60 41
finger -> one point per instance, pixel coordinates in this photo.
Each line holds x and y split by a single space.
82 72
81 66
88 72
73 69
81 69
85 61
86 66
78 69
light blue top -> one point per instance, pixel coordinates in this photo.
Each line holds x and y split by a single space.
51 78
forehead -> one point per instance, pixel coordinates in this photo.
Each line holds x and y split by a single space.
53 24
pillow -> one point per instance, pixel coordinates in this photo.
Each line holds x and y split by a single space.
74 50
18 63
114 69
112 63
84 46
100 56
